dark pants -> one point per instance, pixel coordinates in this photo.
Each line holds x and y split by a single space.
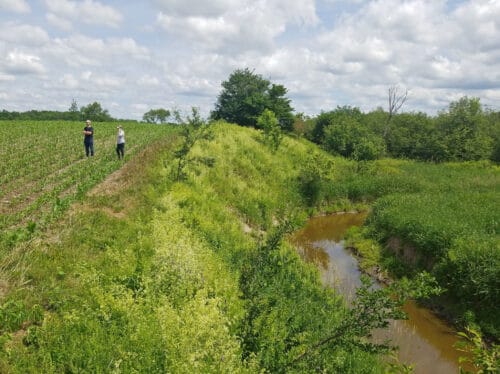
89 149
120 150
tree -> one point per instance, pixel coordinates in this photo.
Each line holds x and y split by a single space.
463 131
349 138
74 112
194 130
73 107
159 115
396 101
413 136
303 125
245 95
272 131
335 116
95 112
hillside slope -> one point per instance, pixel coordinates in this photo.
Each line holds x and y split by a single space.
149 274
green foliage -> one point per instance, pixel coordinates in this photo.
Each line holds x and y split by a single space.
159 115
462 129
470 272
315 178
194 129
282 294
371 309
272 131
74 111
485 358
95 112
41 115
462 133
141 293
245 95
338 116
303 125
446 216
342 132
414 136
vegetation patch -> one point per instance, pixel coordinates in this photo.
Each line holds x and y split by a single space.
170 281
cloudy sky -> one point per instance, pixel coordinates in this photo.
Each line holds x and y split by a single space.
132 56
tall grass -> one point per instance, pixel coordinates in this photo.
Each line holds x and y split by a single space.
449 214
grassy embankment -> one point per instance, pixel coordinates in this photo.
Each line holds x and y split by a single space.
150 275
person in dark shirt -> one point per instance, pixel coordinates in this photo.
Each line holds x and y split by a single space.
88 138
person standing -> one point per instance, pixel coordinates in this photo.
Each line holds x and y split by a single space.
88 138
120 143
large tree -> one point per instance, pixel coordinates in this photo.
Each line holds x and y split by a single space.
95 112
156 115
245 96
335 116
463 129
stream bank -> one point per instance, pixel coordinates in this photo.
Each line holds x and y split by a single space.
425 341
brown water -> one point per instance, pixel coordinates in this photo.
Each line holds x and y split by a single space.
424 341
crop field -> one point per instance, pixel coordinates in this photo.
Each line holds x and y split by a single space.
43 168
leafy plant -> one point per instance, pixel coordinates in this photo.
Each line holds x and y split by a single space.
485 358
194 129
314 178
272 131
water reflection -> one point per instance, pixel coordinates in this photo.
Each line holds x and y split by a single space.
423 340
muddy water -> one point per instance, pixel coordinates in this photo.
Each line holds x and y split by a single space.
424 340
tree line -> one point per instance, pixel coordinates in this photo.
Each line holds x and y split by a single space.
465 131
93 111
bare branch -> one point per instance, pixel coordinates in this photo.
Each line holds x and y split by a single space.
396 101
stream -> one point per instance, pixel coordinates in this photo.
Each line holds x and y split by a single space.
425 341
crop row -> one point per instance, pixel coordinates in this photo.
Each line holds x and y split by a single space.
43 168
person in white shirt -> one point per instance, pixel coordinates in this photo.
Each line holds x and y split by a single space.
120 143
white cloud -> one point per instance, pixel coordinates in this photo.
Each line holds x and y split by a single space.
187 8
23 34
69 81
17 62
102 82
141 107
16 6
417 44
7 77
147 80
62 12
480 24
77 51
234 26
59 22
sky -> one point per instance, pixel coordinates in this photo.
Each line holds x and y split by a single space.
133 56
